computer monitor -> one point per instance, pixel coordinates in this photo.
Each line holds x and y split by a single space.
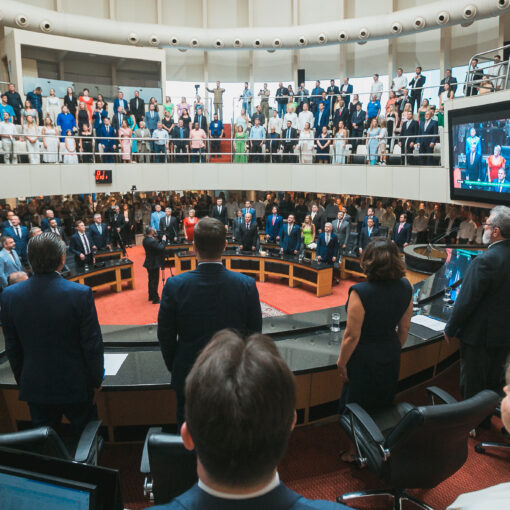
78 484
26 490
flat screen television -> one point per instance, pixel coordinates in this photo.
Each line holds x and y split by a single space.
480 153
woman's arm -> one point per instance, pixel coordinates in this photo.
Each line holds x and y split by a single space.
355 316
404 323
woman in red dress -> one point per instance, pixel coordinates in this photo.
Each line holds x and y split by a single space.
88 100
494 163
189 225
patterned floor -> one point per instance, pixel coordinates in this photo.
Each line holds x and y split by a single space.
270 311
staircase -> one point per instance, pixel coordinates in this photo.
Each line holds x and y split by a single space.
225 147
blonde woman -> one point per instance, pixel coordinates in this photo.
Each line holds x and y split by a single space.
31 134
308 231
383 140
306 144
339 143
50 141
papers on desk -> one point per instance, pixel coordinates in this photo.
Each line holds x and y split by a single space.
429 322
113 362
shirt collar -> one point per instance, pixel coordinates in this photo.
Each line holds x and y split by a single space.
223 495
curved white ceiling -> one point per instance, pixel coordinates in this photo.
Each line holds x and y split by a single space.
427 17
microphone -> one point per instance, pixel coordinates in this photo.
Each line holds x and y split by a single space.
431 244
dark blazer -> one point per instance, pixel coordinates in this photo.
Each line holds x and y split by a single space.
236 228
475 170
139 112
319 221
343 232
480 314
21 242
251 210
76 246
431 131
115 120
408 134
346 91
280 497
119 102
100 240
327 251
342 115
415 86
293 242
55 350
117 220
71 103
172 230
324 121
451 81
197 304
273 231
203 122
364 238
45 224
358 118
248 237
154 253
61 233
107 142
365 221
219 216
176 136
403 237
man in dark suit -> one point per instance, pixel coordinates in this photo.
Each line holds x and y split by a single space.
327 245
500 185
290 237
248 234
20 235
8 221
473 77
14 99
219 211
154 261
448 78
428 129
56 350
321 119
107 141
116 225
240 412
474 167
197 304
59 231
357 122
117 119
318 219
367 233
274 224
346 89
290 140
282 99
137 107
99 233
416 86
401 235
341 114
81 245
201 119
249 209
169 226
408 139
370 215
342 230
333 92
480 316
180 138
45 223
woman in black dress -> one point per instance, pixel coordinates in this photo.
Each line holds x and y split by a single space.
86 144
378 318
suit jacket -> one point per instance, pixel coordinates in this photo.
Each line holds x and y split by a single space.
365 221
248 237
107 132
139 112
402 237
76 246
324 120
498 188
327 251
21 241
99 240
71 103
236 228
45 224
342 231
475 170
364 237
292 242
119 102
451 81
358 118
8 266
273 230
219 216
346 91
431 131
279 498
151 122
480 314
197 304
176 135
154 253
251 210
342 115
172 230
55 350
319 220
415 90
61 233
293 138
202 123
408 134
116 123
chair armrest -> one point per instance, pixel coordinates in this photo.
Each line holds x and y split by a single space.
87 450
145 466
434 391
367 423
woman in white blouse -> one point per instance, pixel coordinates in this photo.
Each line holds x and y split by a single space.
339 143
306 143
31 133
52 107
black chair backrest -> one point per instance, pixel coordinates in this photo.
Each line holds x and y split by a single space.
352 244
43 440
173 468
431 442
383 231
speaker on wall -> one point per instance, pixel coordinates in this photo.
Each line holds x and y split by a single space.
300 76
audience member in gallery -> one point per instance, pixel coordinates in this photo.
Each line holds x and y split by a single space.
378 319
240 413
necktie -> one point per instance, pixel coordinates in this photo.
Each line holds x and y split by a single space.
338 225
327 238
288 134
472 158
18 232
400 227
247 226
137 103
100 229
369 232
273 219
167 221
85 243
13 257
290 229
55 230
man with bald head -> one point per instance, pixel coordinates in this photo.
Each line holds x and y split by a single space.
248 233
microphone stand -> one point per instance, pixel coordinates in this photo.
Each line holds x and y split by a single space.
431 244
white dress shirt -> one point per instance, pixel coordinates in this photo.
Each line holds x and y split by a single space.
305 117
275 122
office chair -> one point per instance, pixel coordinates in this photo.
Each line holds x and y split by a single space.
410 447
481 447
169 468
45 441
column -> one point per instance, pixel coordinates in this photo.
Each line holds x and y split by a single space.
445 41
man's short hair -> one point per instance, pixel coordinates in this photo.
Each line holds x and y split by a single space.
209 238
45 252
35 231
500 217
77 222
240 402
16 277
4 239
149 231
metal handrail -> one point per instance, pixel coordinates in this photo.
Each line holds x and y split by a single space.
482 55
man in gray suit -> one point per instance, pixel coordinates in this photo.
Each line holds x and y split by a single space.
143 147
9 260
342 230
218 99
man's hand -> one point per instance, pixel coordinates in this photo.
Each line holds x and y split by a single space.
253 248
82 256
447 338
118 229
163 238
411 144
319 257
432 145
344 246
295 252
333 259
277 238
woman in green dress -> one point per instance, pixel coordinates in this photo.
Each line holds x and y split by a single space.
169 106
132 125
240 146
308 231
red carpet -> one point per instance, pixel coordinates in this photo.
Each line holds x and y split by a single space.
133 307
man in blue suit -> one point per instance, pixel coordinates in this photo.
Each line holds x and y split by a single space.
108 144
316 96
81 245
370 214
474 167
197 304
327 245
20 235
45 223
156 217
357 123
346 89
9 260
428 129
274 224
120 101
240 413
321 119
290 237
56 350
99 234
371 230
401 235
249 209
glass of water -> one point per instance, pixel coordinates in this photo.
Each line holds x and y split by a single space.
335 322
